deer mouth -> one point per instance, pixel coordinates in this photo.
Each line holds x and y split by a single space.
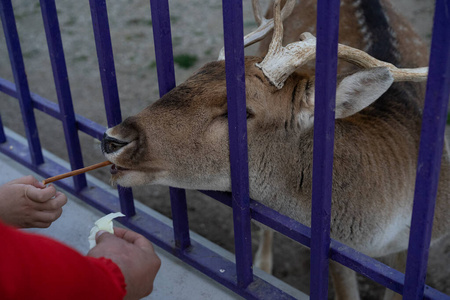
116 169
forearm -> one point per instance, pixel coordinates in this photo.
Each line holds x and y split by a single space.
34 266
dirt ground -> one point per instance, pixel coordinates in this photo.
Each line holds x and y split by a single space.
197 38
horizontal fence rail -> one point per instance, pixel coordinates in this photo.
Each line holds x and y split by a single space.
175 239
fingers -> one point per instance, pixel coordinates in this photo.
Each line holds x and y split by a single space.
37 224
133 237
105 245
41 219
122 232
28 180
48 217
104 236
55 203
38 194
128 236
44 214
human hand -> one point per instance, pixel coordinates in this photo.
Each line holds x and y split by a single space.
135 257
26 202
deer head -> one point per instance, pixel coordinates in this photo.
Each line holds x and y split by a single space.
182 139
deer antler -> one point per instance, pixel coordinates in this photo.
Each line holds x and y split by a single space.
265 25
280 62
364 60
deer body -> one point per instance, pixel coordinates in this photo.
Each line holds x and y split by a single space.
182 139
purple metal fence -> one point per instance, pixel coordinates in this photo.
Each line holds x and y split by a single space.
326 70
237 127
430 152
239 276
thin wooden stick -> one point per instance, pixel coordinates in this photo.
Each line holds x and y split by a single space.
76 172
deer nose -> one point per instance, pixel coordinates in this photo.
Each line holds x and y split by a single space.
111 145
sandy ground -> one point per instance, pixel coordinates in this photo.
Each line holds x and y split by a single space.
197 34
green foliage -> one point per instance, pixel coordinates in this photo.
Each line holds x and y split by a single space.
72 21
151 65
185 61
30 53
174 19
140 22
81 58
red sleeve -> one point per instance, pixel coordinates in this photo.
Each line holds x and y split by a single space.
37 267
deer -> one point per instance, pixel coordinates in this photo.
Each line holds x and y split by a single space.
181 140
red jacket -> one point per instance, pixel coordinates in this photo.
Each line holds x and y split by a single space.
37 267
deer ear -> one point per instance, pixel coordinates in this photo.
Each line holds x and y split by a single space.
359 90
354 93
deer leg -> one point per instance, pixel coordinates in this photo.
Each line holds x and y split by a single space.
263 256
398 262
344 282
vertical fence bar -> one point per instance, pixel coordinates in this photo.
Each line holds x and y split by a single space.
237 126
430 152
105 56
180 218
126 201
2 132
325 95
107 69
166 81
20 78
162 38
61 79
